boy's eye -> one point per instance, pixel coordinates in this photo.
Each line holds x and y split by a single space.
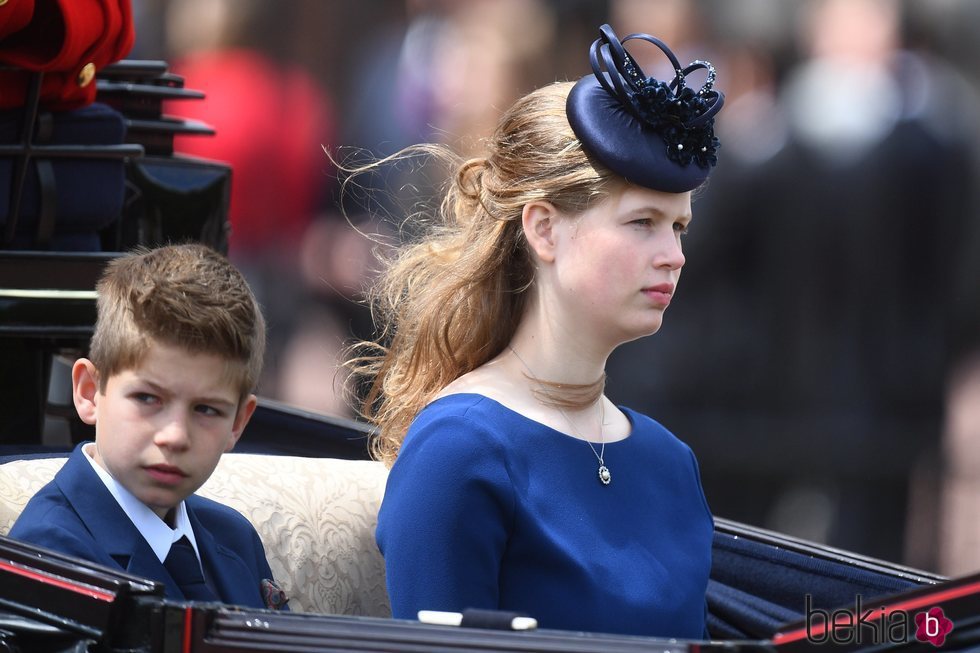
643 222
680 228
144 398
210 411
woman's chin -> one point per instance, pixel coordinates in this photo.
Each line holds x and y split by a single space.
647 328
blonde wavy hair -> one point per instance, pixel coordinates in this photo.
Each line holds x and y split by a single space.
451 300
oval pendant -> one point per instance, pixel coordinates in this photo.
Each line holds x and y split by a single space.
604 476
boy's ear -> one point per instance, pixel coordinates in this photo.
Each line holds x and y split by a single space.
244 414
84 388
539 218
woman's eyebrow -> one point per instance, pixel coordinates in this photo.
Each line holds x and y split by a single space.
657 212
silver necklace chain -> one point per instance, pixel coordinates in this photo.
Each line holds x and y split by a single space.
605 477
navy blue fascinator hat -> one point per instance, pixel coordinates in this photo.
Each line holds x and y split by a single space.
655 134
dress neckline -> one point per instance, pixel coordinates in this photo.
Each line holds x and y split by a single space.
626 411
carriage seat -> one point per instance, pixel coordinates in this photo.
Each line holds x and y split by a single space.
316 518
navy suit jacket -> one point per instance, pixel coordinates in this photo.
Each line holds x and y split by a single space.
76 514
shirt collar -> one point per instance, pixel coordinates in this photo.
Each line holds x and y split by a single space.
154 530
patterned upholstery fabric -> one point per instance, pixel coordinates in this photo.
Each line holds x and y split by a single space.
316 518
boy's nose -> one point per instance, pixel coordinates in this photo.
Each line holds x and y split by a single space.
174 434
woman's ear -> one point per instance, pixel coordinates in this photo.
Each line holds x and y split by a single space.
85 386
539 218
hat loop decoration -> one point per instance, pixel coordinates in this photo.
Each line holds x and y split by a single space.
673 109
618 104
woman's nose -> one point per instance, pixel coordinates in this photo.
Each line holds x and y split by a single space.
670 254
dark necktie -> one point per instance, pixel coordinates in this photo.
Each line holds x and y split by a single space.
183 565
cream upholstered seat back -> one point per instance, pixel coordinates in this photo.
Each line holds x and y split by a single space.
316 518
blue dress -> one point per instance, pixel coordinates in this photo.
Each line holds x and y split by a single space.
486 508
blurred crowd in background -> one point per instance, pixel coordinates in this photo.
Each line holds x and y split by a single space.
821 357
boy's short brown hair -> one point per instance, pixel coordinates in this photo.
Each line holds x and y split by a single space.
185 295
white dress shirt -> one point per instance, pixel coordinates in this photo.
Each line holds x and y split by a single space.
154 530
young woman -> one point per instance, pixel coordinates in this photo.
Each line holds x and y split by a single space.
515 483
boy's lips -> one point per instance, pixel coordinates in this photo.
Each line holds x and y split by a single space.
167 474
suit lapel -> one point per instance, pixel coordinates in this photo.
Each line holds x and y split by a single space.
231 576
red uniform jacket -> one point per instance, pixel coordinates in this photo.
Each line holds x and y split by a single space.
68 40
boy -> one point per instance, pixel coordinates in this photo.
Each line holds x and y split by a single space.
176 352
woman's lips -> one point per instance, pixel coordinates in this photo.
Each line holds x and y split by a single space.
660 294
166 474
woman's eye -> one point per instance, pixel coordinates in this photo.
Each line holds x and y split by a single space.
644 222
680 228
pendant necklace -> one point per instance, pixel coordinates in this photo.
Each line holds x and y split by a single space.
605 476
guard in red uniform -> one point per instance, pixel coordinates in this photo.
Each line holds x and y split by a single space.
67 40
